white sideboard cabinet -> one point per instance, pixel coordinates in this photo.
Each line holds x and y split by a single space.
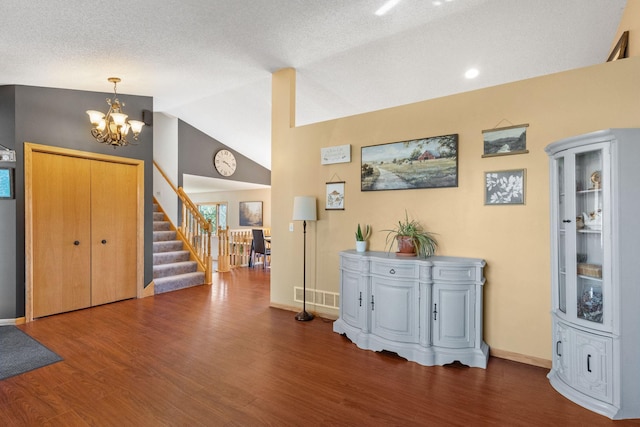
595 244
427 310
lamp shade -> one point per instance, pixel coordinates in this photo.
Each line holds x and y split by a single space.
304 208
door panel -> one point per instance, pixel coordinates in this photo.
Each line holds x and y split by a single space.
61 212
114 226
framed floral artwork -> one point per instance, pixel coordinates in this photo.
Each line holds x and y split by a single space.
504 187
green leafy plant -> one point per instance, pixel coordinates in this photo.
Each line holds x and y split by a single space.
360 236
424 242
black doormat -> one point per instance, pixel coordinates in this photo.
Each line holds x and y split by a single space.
19 353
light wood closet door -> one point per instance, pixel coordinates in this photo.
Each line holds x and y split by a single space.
114 226
61 212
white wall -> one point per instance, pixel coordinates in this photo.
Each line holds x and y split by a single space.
233 198
165 154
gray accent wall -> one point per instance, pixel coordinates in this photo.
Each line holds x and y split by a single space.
57 117
195 157
8 262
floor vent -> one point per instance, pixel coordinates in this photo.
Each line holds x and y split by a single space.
319 298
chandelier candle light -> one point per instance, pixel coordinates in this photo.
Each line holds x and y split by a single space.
113 127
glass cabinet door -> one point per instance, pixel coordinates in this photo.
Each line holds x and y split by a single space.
562 236
582 244
589 244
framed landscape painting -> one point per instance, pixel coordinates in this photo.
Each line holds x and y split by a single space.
418 163
251 214
505 141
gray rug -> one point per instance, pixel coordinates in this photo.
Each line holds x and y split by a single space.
19 353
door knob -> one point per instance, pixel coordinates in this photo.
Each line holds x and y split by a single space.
76 242
104 242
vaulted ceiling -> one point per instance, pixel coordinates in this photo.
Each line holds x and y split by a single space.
209 62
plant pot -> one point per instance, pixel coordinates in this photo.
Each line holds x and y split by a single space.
406 246
361 246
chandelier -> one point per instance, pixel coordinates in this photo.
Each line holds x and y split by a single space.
113 128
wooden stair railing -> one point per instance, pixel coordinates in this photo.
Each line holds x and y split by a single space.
194 231
223 250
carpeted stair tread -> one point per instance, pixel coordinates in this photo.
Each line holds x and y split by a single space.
167 246
169 257
174 269
173 283
161 236
161 226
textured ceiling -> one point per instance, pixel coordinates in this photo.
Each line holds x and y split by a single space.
209 62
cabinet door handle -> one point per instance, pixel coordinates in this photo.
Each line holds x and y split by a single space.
77 242
588 363
360 299
372 303
558 348
435 312
392 271
566 221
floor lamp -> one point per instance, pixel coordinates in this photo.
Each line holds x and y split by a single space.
304 209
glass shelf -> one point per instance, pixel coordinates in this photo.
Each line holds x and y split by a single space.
589 191
589 231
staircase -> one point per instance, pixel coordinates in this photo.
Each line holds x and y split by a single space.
172 267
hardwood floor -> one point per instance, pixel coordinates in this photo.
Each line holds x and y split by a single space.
218 355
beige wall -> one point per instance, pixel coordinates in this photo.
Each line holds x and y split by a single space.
514 240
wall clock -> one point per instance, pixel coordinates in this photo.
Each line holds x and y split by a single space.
224 162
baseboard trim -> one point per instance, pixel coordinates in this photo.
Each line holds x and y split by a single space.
521 358
11 322
149 290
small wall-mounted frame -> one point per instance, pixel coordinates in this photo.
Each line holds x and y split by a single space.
504 187
250 214
505 141
335 196
6 183
620 49
337 154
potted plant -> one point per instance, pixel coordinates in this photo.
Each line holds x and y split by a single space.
361 238
412 238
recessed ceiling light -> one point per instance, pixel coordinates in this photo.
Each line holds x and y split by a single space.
472 73
387 7
437 3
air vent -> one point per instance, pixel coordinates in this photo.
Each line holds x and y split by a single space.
319 298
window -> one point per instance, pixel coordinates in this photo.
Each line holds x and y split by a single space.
216 213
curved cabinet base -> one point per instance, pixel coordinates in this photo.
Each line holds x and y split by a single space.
581 399
427 356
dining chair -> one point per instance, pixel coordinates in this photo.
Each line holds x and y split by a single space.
259 248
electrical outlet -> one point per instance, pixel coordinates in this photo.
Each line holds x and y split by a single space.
290 226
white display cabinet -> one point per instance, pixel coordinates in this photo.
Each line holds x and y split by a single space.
595 237
427 310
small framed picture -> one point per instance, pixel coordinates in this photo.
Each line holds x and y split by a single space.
505 141
335 196
504 187
250 214
6 183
